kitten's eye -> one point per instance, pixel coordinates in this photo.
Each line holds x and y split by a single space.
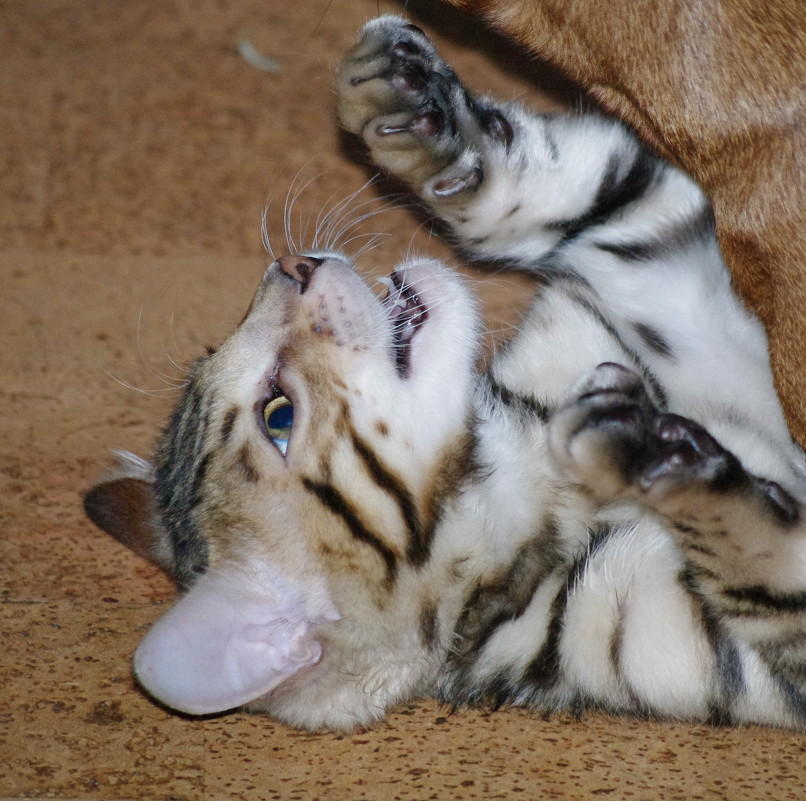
278 417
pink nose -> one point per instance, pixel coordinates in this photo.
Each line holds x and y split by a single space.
299 268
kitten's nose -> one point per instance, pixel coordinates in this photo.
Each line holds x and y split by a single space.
300 268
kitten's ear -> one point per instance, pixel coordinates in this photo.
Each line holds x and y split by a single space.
229 640
123 504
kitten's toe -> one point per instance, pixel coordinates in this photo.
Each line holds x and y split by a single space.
610 438
601 435
684 462
389 71
611 378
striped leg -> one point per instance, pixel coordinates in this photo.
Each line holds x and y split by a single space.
743 537
511 184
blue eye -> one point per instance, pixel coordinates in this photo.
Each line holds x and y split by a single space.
278 417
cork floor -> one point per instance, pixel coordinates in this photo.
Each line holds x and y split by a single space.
138 150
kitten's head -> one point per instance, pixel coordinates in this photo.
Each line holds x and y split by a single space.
296 494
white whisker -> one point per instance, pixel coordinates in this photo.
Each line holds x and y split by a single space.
293 194
159 392
264 232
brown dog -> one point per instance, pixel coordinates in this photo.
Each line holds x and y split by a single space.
719 87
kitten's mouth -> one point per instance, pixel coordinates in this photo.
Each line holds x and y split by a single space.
407 313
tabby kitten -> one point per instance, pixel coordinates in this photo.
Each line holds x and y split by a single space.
609 516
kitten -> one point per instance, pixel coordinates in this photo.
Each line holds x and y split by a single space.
609 516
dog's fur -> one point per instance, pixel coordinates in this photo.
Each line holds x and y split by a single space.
719 87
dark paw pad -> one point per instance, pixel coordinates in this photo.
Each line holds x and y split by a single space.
683 451
409 79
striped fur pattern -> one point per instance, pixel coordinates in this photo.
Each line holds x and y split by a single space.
610 515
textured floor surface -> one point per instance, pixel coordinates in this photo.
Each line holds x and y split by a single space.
138 150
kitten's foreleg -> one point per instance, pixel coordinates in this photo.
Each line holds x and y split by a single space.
510 184
743 537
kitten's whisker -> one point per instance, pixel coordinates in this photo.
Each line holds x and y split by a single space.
429 221
373 241
329 215
371 244
172 332
164 377
335 212
339 225
169 390
293 194
264 232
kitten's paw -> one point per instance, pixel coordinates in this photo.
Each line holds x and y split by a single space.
610 438
418 120
683 458
601 433
387 73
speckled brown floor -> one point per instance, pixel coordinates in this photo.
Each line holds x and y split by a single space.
138 150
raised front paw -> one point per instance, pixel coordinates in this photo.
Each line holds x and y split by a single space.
387 72
407 104
610 438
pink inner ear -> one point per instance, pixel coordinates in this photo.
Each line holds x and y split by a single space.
222 646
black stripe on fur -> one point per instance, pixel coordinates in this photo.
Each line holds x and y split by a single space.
335 502
728 664
527 405
543 673
614 194
677 237
181 468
